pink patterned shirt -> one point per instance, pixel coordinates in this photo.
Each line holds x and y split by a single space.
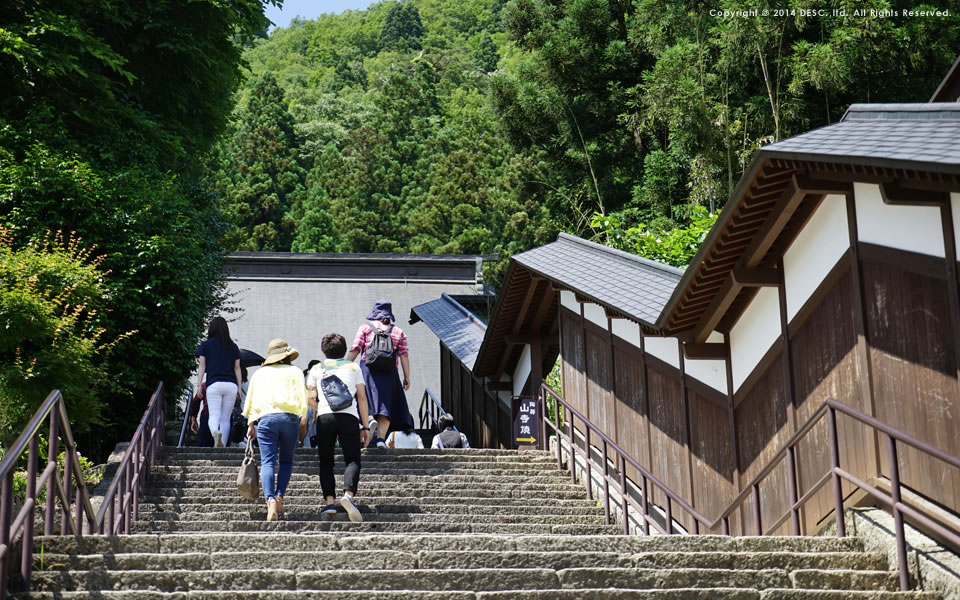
365 337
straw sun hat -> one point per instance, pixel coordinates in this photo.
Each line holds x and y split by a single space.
278 350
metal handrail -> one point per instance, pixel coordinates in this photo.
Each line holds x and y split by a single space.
430 407
830 408
186 411
124 490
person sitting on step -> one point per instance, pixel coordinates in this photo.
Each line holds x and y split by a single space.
337 392
404 438
448 437
275 406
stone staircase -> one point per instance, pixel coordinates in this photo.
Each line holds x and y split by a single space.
467 524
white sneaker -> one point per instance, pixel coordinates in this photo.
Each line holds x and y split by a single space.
352 511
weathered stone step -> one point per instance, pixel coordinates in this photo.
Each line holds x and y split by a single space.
397 453
773 569
444 579
486 476
577 504
382 460
713 545
459 526
402 505
260 514
750 561
594 594
370 487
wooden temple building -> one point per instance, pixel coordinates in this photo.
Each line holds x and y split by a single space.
832 272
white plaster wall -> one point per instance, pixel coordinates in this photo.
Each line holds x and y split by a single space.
595 314
303 311
755 331
522 372
816 250
711 372
955 209
569 299
626 330
912 228
666 349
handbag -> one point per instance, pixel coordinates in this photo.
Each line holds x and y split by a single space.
248 480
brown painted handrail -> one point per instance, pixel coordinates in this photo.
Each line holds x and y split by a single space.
830 408
123 492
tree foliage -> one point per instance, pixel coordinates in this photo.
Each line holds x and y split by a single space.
109 109
52 298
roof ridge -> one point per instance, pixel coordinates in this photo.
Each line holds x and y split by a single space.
633 258
466 312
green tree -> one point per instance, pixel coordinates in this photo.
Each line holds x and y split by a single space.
52 296
260 176
154 77
402 29
485 55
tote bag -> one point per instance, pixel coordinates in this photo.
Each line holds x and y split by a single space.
248 480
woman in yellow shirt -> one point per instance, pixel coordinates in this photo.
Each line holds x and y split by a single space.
275 405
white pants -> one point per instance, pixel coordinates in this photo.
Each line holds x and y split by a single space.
221 396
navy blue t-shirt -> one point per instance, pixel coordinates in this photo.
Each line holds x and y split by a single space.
219 361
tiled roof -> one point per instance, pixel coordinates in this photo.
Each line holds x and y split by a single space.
634 286
885 135
459 329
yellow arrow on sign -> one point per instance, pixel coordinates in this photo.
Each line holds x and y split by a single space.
529 440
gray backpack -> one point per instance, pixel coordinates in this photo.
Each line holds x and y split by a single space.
380 355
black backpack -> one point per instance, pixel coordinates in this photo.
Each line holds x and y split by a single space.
380 355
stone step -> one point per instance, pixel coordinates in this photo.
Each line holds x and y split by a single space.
260 514
383 461
583 594
775 569
169 453
201 542
374 488
444 579
458 526
461 502
479 477
298 508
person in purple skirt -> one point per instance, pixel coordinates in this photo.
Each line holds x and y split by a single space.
385 390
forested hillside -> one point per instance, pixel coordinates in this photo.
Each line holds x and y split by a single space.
485 126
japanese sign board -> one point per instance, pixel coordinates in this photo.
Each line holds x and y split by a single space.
526 421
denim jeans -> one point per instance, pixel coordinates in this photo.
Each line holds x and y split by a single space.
277 436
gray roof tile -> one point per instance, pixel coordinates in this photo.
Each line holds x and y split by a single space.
449 320
934 143
629 284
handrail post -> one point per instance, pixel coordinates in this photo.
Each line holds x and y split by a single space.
67 488
26 556
52 452
558 432
757 518
794 494
644 504
6 509
897 515
834 465
669 516
587 460
623 496
573 450
606 488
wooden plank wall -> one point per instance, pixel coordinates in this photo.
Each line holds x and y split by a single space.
914 370
479 413
639 402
